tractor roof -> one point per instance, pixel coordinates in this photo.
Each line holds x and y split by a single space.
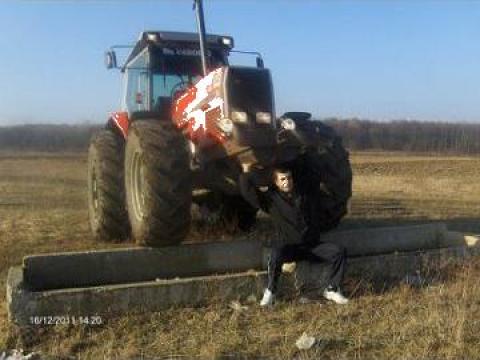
178 40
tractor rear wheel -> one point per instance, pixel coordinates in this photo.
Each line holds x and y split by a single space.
328 168
158 183
106 190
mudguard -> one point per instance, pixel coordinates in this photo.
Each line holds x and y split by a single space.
119 119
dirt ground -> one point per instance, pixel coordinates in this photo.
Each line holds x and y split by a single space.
43 209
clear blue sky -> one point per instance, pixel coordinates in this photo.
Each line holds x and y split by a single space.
370 59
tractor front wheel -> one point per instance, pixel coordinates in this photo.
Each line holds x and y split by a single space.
158 183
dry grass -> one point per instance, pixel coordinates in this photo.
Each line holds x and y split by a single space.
42 209
401 189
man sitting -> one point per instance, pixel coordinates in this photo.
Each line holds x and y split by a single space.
298 235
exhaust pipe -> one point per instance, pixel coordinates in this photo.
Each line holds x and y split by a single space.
198 5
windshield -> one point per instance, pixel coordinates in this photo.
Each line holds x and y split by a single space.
174 70
166 85
154 78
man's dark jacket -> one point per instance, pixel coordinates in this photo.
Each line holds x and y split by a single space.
293 216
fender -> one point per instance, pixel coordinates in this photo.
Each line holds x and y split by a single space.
121 121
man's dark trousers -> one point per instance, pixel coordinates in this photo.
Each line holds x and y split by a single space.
332 255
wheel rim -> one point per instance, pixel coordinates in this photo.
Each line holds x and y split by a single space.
138 185
94 192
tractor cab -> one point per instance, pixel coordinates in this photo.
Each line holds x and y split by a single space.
162 65
231 107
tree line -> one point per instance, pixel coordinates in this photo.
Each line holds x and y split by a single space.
48 138
410 136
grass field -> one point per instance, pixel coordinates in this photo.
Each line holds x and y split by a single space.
43 209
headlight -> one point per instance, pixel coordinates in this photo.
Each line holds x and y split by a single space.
264 118
227 41
239 117
225 125
287 124
152 36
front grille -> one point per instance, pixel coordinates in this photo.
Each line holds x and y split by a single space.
255 137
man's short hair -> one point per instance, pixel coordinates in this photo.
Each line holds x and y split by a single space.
280 170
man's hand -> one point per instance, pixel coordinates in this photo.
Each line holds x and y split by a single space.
246 167
289 267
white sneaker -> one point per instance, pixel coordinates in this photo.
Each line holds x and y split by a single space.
335 296
267 299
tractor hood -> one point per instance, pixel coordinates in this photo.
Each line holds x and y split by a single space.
230 104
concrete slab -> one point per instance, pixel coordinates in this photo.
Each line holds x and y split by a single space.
27 307
31 308
108 267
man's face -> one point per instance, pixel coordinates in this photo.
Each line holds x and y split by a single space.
284 181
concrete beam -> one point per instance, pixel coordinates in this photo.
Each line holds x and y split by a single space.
386 240
25 306
120 266
386 267
455 238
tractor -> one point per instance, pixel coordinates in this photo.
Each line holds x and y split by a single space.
189 122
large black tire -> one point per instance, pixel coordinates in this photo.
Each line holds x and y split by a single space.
106 190
158 183
328 167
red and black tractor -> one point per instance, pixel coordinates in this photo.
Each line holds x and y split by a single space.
189 122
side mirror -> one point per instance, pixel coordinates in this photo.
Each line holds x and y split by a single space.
260 63
110 59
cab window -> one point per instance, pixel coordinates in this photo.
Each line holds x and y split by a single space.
137 95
